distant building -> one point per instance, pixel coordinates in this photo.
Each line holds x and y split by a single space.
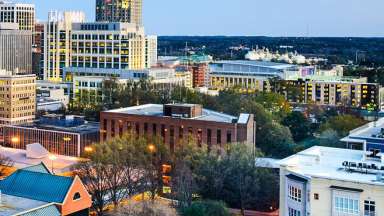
151 51
36 191
22 14
51 100
37 49
330 181
15 49
369 138
62 135
17 98
128 11
57 45
107 46
176 122
247 74
334 91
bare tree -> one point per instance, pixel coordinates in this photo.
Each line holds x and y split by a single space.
5 163
145 209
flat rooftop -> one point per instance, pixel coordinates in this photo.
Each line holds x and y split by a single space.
327 163
158 110
11 205
88 127
268 64
371 130
61 164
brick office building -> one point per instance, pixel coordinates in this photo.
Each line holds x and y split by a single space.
175 122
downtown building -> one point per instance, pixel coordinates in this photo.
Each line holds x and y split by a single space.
22 14
323 181
175 123
17 89
126 11
58 134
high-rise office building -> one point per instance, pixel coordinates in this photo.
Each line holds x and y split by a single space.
23 14
17 98
129 11
150 51
15 49
57 43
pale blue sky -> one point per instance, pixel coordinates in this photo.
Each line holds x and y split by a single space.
248 17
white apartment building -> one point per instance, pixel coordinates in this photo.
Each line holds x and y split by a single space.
22 14
322 181
57 45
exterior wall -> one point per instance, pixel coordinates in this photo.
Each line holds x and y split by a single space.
325 204
72 205
57 142
17 99
16 51
173 130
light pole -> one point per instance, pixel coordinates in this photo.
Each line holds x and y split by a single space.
52 158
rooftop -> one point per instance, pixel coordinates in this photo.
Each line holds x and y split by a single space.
69 124
268 64
13 205
62 163
372 130
158 110
36 185
325 162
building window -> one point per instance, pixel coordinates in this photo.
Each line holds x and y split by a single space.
76 196
293 212
218 137
316 196
229 136
209 137
294 193
369 208
346 205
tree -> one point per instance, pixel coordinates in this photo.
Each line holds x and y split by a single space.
342 124
275 140
206 208
5 163
298 124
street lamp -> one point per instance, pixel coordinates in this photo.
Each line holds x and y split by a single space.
52 158
151 148
15 139
88 149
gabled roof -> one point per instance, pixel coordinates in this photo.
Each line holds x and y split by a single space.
37 186
47 210
41 168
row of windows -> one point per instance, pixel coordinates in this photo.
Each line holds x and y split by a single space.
293 212
294 193
346 205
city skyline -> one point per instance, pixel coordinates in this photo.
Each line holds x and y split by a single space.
279 18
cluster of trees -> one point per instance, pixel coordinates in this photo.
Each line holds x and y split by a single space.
280 131
337 50
130 165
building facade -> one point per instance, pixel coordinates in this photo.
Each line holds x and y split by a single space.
57 44
323 181
15 49
36 190
177 122
128 11
108 45
355 93
17 98
369 138
150 51
59 135
22 14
